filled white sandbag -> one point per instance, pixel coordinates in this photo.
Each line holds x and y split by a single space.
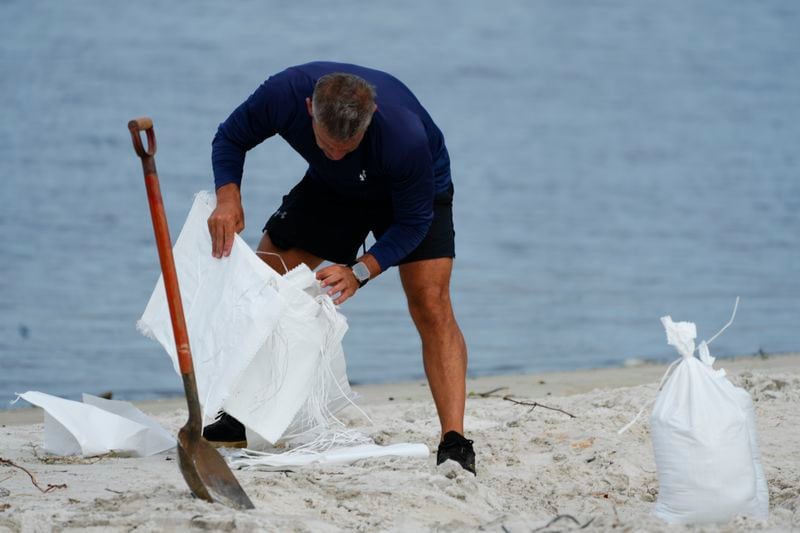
704 441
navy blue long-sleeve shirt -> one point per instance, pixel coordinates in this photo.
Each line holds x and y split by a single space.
403 156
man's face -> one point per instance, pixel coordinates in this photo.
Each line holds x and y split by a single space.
333 149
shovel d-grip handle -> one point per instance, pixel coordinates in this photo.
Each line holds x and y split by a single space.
138 125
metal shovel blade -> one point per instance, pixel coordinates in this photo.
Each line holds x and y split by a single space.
208 475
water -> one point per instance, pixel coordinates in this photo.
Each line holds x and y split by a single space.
613 162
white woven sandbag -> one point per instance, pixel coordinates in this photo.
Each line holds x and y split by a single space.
292 375
704 441
231 306
266 348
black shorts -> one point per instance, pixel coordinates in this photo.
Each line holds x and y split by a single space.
333 228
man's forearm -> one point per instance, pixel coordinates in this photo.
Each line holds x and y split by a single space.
227 160
229 192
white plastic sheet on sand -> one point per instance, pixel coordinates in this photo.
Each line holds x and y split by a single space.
337 447
98 426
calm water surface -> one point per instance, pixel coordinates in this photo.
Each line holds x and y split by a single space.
613 162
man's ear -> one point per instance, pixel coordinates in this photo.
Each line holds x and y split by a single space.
309 107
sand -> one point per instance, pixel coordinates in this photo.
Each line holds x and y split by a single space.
533 465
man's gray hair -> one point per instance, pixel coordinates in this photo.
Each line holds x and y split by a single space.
343 104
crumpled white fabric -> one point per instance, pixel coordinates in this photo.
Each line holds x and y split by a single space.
98 426
266 348
704 441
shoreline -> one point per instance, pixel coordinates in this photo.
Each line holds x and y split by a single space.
555 383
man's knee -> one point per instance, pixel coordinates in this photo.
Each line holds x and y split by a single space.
430 306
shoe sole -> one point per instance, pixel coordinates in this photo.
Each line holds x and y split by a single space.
231 444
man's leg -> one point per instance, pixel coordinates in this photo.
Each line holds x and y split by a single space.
444 352
292 257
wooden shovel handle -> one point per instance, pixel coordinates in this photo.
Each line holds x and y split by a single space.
163 241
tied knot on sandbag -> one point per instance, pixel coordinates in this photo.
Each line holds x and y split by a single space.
681 335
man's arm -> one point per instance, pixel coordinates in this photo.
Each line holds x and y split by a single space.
412 203
269 110
412 198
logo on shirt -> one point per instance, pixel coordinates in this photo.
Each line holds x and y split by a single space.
362 176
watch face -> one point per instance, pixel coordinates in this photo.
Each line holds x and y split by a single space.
361 271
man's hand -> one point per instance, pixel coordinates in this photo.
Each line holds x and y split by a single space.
341 280
226 220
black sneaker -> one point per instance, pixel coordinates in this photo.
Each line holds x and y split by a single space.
226 432
456 447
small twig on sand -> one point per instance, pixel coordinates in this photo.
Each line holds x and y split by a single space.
560 517
534 405
49 488
486 394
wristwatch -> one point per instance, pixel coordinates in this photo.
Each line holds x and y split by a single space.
360 271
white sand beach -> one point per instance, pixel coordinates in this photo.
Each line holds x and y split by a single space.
533 465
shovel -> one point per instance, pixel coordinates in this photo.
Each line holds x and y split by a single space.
203 468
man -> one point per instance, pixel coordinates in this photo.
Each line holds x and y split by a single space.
377 162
